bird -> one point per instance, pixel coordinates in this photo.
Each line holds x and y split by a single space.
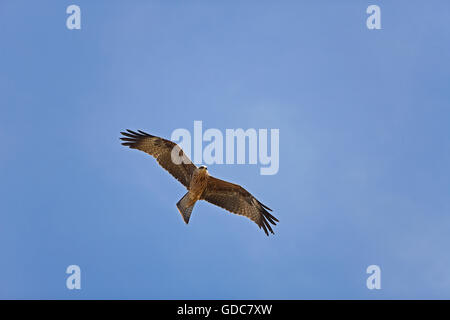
199 183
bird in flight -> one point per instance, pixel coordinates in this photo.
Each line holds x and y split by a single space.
200 185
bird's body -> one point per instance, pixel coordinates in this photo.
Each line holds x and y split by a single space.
200 185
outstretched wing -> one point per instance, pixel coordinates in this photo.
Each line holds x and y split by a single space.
162 149
236 199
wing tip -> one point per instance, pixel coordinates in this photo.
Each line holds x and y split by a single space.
134 134
132 138
266 219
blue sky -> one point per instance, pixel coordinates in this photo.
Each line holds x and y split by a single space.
364 148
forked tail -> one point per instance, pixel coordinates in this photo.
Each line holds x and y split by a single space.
184 208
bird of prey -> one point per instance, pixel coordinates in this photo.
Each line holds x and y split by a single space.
200 185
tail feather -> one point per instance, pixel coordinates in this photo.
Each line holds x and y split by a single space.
184 208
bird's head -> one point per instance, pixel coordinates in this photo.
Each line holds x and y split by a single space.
203 168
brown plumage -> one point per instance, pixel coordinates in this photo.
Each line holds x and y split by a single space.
200 185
